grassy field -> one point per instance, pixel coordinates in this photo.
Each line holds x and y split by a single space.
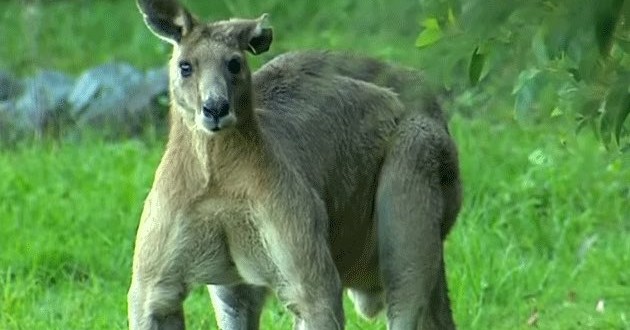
544 232
74 35
542 240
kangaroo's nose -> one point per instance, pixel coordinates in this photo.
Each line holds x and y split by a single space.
216 108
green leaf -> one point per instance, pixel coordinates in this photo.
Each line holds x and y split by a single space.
581 123
539 47
587 114
526 91
452 21
557 112
475 68
622 115
525 78
525 101
431 33
607 14
616 111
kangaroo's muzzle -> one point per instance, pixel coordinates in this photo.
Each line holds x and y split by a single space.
215 109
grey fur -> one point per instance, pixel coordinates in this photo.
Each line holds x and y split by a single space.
329 171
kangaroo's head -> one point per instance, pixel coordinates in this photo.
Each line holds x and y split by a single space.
210 80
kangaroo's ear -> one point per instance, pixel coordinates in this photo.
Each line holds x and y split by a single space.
167 19
260 36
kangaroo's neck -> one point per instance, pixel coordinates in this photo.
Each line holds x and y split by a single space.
243 105
232 159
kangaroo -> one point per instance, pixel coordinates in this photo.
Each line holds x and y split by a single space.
318 172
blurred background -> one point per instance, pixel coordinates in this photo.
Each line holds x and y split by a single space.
535 61
538 96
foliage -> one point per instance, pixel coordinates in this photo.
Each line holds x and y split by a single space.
557 58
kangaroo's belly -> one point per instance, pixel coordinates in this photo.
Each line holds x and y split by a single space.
238 254
355 253
353 236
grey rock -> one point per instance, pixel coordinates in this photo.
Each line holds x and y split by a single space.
43 99
157 81
115 95
7 121
142 96
10 87
105 85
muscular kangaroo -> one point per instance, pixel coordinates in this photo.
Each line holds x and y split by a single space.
318 172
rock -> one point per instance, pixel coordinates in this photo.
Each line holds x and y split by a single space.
10 87
115 96
43 100
157 81
99 91
7 118
141 99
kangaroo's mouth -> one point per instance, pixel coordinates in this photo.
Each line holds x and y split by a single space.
214 124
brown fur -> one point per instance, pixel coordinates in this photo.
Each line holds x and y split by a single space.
329 171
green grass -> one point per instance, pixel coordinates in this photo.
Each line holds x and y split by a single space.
544 228
75 35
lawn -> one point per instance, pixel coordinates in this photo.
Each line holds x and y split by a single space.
542 240
74 35
542 236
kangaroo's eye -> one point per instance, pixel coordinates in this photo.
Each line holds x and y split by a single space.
185 69
234 65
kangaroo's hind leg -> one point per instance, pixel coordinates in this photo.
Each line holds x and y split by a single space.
412 202
237 307
367 303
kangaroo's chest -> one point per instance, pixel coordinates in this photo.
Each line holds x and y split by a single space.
248 251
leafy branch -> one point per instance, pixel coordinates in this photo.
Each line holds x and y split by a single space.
556 58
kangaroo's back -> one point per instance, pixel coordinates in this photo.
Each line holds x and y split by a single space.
408 84
318 119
